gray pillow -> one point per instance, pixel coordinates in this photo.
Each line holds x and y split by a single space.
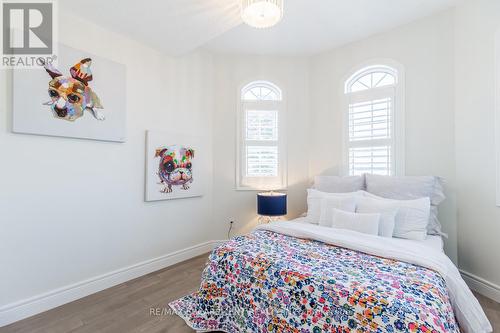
337 184
410 187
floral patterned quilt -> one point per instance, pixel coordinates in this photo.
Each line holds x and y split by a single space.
271 282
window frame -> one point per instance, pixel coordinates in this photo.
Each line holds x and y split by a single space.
244 183
398 111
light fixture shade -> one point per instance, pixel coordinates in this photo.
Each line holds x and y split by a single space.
271 204
261 13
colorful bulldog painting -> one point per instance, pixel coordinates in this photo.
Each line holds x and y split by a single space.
175 167
71 95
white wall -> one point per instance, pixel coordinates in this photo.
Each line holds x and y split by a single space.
479 219
291 75
73 209
425 49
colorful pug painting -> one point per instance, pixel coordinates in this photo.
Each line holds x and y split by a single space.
71 95
175 167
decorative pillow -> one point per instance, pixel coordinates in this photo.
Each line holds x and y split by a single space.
342 202
410 187
387 215
336 184
412 216
364 223
314 199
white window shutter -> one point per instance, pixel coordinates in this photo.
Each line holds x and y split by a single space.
370 120
262 161
370 159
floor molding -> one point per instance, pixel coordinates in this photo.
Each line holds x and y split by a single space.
13 312
482 286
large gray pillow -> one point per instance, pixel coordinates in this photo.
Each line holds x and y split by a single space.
337 184
410 187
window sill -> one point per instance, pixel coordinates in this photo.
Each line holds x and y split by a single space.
254 189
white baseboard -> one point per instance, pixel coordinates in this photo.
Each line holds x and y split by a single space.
28 307
482 286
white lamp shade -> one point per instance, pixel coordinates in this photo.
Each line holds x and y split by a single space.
261 13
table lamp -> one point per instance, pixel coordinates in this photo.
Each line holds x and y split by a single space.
270 206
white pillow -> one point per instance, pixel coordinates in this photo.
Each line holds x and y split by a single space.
387 215
314 198
336 184
364 223
434 227
410 187
412 216
343 202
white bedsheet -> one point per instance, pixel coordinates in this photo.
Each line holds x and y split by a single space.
467 309
434 242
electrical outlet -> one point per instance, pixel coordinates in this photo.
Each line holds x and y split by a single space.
231 222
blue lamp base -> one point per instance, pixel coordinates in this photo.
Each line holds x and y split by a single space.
269 219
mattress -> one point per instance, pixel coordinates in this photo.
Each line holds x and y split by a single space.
293 277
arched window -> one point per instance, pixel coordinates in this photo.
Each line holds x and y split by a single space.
374 121
261 153
261 91
371 77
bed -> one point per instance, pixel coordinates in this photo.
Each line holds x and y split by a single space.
298 277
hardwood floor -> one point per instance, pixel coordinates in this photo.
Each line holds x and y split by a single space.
131 306
492 310
123 308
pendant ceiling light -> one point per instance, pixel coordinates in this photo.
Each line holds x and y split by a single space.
261 13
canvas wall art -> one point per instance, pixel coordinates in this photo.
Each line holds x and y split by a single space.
175 166
82 96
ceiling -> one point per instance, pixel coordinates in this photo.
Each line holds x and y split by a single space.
176 27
